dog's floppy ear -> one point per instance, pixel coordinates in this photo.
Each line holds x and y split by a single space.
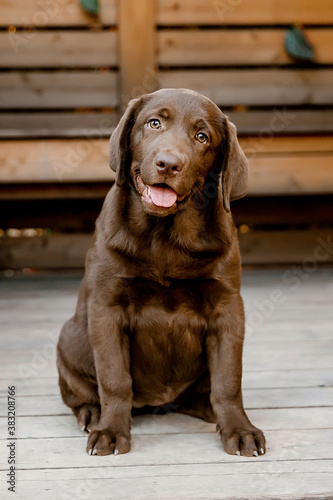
119 145
234 168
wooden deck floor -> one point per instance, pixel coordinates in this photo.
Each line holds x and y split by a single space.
288 379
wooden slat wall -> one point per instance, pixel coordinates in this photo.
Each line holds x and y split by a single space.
246 46
240 12
65 69
67 74
60 49
278 165
64 13
60 65
171 12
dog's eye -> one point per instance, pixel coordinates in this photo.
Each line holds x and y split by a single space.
201 137
154 123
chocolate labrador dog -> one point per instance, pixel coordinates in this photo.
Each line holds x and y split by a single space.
159 317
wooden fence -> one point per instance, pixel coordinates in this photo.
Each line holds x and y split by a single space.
65 77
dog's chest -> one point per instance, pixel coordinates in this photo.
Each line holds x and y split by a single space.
167 328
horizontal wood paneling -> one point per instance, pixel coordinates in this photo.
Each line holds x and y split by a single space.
70 89
69 250
81 124
52 49
291 174
241 12
285 247
196 12
54 13
281 121
235 47
57 124
278 165
262 87
55 161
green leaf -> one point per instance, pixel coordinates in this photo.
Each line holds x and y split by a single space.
91 6
297 45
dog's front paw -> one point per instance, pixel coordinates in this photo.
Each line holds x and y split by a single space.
244 440
106 442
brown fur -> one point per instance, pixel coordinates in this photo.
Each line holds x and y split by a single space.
159 318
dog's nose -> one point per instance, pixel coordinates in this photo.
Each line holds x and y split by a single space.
168 164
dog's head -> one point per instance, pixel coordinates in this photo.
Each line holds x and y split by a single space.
170 144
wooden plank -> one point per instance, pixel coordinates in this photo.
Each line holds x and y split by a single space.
240 12
55 160
239 479
289 160
298 210
252 379
68 251
54 49
282 246
262 87
75 124
57 13
41 362
45 427
192 487
302 121
282 357
58 251
290 175
60 89
137 53
160 450
52 191
298 464
235 47
37 89
288 144
243 466
59 124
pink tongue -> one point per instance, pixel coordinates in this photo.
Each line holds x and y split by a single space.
162 196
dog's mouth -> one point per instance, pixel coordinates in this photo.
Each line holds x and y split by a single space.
160 195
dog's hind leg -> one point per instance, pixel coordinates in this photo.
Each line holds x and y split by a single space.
87 413
78 389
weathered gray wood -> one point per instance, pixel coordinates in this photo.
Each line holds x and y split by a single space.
174 449
235 47
175 456
196 487
60 89
59 49
54 426
252 379
219 12
253 398
219 468
136 49
312 485
262 87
